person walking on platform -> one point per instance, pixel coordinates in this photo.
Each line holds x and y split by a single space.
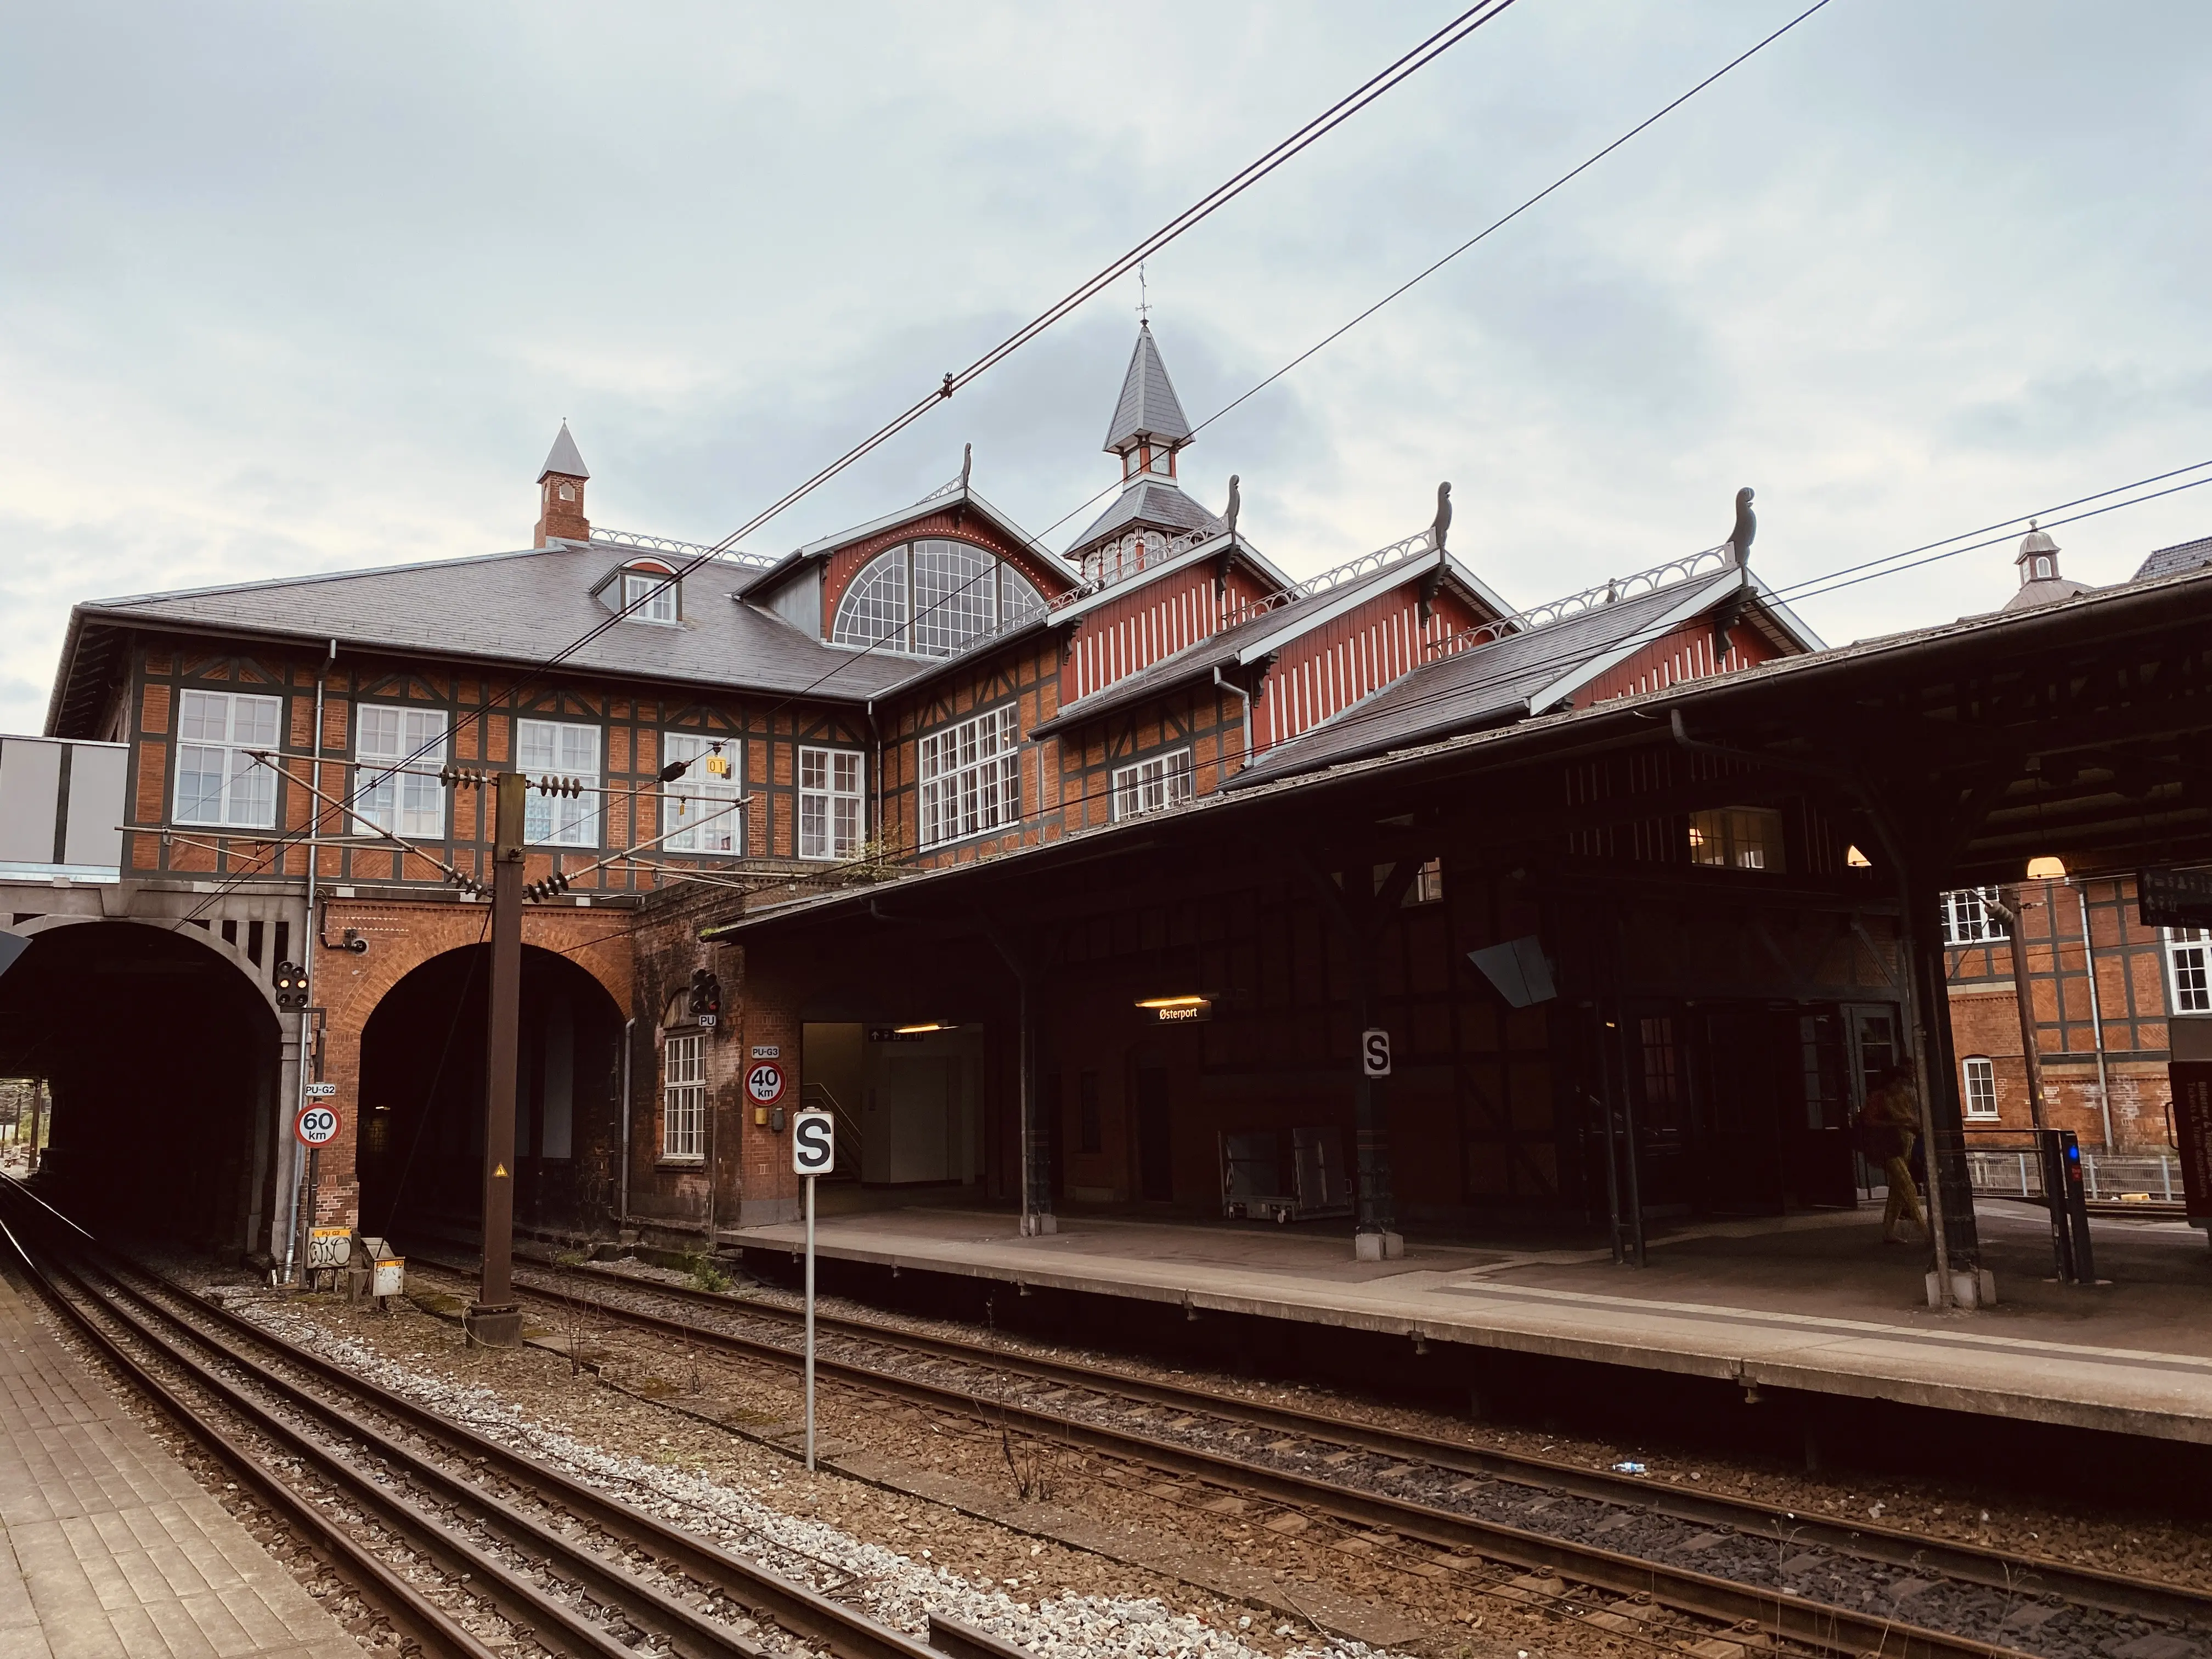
1888 1127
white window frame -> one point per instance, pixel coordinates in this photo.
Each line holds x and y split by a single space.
561 820
1153 785
661 603
971 776
1970 917
2189 969
698 796
833 818
245 797
1978 1088
684 1097
405 803
886 605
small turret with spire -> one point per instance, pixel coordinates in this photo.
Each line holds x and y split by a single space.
1147 433
561 494
2039 580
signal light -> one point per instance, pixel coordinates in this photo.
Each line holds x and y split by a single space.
291 982
706 992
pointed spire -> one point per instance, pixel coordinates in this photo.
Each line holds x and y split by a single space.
1149 410
563 459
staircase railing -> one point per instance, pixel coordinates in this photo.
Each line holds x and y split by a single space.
814 1097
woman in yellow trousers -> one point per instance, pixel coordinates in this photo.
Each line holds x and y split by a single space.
1888 1126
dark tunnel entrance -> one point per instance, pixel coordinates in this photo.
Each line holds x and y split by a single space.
422 1096
161 1061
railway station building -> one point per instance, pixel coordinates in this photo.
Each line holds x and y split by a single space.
1066 881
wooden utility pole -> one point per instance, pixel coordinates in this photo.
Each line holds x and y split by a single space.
493 1319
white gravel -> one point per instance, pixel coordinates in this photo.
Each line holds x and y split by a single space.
900 1589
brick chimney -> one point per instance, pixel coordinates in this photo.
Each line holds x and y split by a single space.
561 494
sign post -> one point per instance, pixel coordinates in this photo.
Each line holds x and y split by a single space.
315 1126
495 1318
813 1153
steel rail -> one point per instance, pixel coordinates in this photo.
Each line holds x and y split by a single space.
1818 1623
549 1618
372 1579
2089 1587
796 1607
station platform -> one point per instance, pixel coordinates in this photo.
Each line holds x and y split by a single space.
1814 1303
109 1549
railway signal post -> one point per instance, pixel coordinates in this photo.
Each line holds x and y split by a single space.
813 1154
494 1318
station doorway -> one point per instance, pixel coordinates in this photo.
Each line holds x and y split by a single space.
422 1101
909 1103
160 1060
1745 1109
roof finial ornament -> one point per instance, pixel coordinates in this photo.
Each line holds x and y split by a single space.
1437 530
1236 505
1745 527
967 462
1144 299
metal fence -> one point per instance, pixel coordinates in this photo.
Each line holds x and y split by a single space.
2152 1176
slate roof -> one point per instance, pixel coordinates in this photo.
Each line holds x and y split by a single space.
519 607
2171 560
1154 502
564 459
1148 408
2047 591
1486 684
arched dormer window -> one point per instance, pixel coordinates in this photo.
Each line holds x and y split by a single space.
651 593
2043 570
931 599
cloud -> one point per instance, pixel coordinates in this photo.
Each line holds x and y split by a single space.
287 289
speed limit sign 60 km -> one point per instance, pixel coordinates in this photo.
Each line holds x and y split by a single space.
764 1083
316 1125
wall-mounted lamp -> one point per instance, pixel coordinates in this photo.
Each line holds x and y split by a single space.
1171 1002
926 1025
2046 869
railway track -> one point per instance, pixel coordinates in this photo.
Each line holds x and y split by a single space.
1842 1587
448 1533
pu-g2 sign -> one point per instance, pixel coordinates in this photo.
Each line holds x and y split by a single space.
813 1143
764 1083
316 1125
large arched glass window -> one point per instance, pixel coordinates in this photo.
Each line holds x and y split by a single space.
931 599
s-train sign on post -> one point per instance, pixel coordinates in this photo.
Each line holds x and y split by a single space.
813 1154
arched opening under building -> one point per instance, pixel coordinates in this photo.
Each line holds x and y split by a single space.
422 1097
160 1062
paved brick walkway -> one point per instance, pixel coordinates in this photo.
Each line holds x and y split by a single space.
108 1548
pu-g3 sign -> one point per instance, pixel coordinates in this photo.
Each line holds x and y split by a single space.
813 1143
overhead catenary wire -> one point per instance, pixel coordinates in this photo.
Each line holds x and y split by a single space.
1357 714
1393 75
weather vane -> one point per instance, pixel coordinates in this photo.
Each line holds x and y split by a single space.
1143 298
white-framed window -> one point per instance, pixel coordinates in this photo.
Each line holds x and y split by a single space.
2189 959
1980 1078
649 597
830 820
217 780
699 812
1163 781
556 749
405 803
931 599
684 1096
971 776
1737 838
1970 917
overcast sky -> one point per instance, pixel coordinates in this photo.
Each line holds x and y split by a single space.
290 288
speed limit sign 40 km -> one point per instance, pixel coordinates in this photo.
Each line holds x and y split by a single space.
317 1124
764 1083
